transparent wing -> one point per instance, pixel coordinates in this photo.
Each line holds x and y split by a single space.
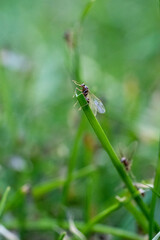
131 149
96 104
92 106
120 152
127 151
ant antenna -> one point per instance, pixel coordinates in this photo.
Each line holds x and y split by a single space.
75 82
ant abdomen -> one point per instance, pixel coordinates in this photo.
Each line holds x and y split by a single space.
87 99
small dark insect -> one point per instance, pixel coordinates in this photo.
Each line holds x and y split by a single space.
141 191
84 90
69 38
142 188
94 102
126 159
102 237
126 163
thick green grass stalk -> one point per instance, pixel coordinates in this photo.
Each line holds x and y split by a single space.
154 196
110 151
61 237
126 203
4 200
72 161
138 215
52 224
99 217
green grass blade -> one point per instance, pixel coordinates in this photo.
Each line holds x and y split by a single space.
15 200
156 189
157 236
44 188
138 215
52 224
110 151
129 206
99 217
51 185
86 10
72 161
76 65
123 234
3 200
76 72
61 237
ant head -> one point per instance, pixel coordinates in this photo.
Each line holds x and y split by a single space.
123 159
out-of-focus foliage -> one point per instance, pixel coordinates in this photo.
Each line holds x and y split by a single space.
119 61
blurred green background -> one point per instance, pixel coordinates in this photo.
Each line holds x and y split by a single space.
119 61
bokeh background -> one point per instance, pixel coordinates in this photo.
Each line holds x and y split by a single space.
119 51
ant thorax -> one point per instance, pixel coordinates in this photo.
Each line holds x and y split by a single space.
84 90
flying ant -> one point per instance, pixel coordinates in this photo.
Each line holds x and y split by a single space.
94 102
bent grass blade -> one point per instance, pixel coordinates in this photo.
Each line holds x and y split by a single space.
114 158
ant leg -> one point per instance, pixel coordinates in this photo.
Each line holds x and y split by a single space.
75 104
82 106
75 94
75 82
85 105
79 89
132 176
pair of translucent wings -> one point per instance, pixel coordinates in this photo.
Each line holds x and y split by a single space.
128 152
95 104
